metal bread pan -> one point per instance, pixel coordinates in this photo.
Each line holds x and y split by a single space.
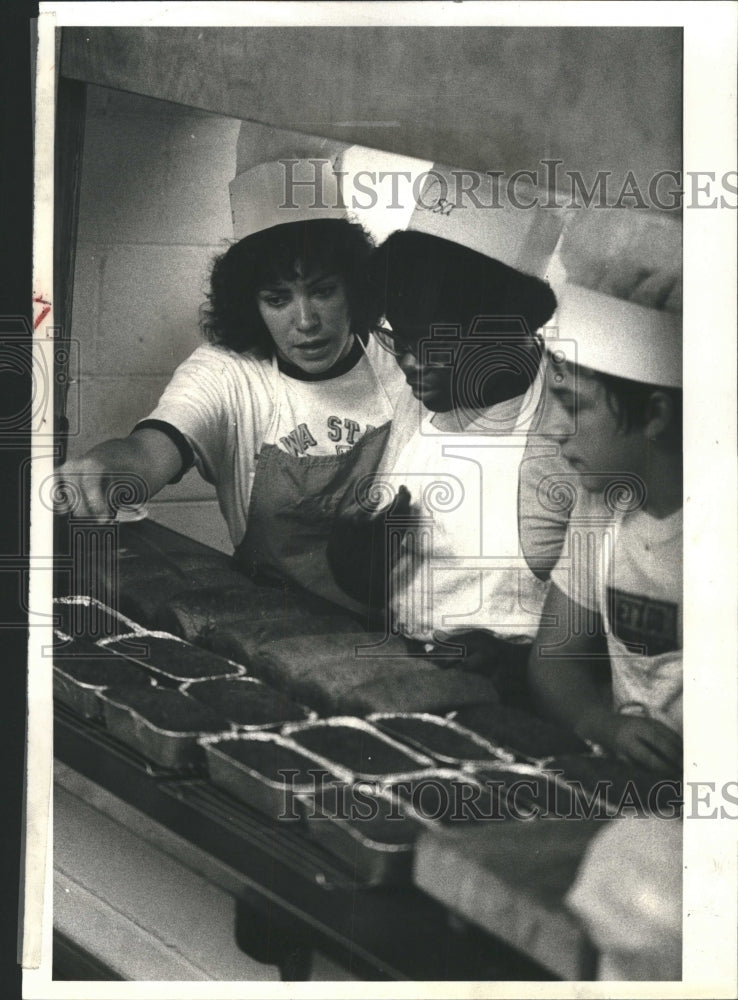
526 791
440 738
364 828
248 768
166 745
249 704
357 747
79 680
171 660
442 797
80 616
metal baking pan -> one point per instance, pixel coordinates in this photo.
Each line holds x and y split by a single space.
600 785
530 738
78 616
442 797
423 731
247 766
526 791
364 828
246 697
176 750
190 662
361 741
75 687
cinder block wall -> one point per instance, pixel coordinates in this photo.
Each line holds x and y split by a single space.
154 211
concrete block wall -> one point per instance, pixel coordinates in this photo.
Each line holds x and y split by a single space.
154 211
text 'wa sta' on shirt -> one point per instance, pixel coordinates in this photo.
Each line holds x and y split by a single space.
227 406
627 567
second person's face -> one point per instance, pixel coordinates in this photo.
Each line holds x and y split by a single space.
431 383
308 319
580 416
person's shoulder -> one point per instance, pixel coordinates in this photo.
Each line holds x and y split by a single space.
226 362
381 358
220 354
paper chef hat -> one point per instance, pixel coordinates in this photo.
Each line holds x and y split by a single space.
621 301
464 206
288 190
523 238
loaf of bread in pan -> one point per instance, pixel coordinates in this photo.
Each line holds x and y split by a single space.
91 665
357 749
171 658
169 710
275 761
246 701
435 735
526 735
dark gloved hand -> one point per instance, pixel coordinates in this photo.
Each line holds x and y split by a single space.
358 551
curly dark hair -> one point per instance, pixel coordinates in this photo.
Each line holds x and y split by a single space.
333 246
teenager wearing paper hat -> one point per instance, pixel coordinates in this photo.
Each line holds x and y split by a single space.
462 310
289 403
614 407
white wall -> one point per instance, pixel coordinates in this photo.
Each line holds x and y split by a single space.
154 210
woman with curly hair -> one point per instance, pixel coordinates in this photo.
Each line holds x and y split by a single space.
284 409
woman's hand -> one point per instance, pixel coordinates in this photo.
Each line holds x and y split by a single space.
120 473
83 488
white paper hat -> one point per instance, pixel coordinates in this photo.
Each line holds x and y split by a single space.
287 190
621 302
465 206
488 222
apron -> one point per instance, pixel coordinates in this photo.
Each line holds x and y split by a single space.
294 501
472 519
643 685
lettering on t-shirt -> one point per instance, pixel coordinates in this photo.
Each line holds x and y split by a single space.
298 440
647 624
342 430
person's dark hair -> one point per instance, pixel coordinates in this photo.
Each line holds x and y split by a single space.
334 246
426 280
629 401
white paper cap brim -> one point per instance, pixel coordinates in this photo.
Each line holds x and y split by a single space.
289 190
618 337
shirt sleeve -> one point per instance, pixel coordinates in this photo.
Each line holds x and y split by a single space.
178 440
585 562
543 508
210 402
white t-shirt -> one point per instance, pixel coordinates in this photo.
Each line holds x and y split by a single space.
628 568
466 481
228 405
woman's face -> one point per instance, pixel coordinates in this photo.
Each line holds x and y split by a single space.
308 319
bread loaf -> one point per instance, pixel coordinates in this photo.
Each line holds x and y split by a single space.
526 735
322 670
148 583
437 690
172 659
245 701
240 640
